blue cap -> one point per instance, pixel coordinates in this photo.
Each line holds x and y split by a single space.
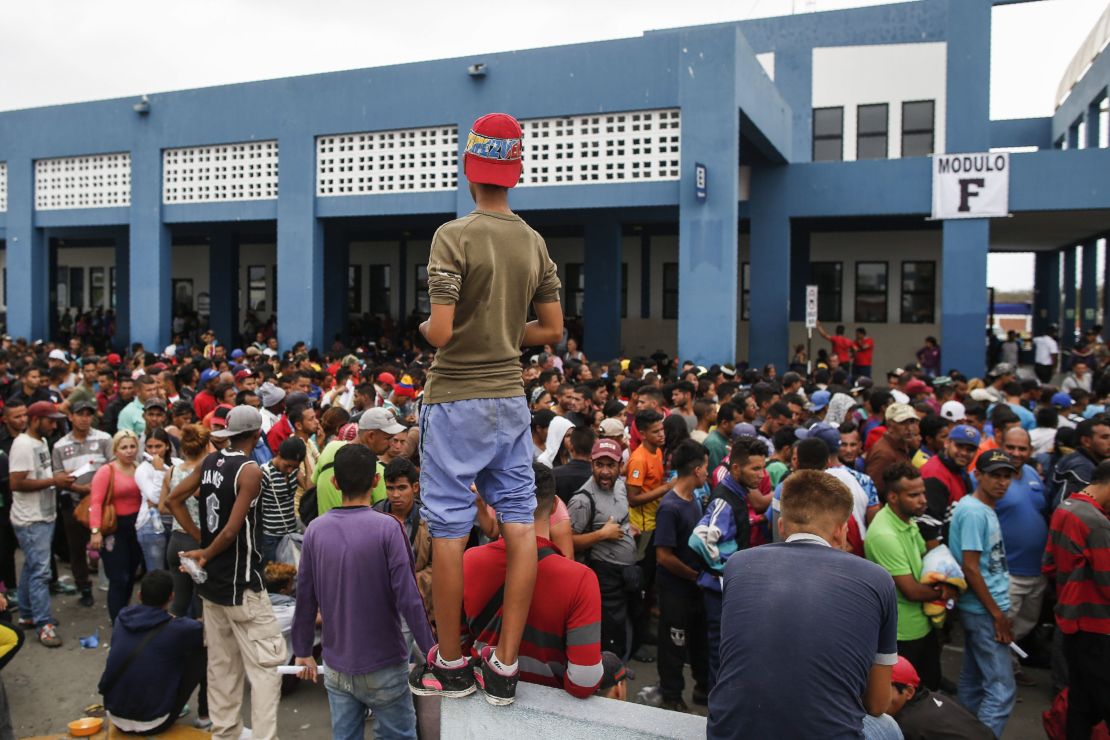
744 429
236 354
827 433
1062 400
818 401
964 434
206 376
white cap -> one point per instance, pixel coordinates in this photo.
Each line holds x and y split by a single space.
899 396
57 354
953 411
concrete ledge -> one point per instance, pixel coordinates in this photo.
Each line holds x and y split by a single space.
540 711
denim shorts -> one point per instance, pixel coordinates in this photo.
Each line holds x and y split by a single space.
484 441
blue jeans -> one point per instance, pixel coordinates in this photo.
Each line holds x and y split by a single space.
34 581
986 684
385 691
153 538
268 545
882 727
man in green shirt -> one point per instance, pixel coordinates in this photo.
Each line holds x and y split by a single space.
375 428
719 440
894 542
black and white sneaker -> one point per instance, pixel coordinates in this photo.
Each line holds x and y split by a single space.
499 689
431 679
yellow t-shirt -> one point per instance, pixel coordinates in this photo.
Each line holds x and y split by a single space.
491 267
645 469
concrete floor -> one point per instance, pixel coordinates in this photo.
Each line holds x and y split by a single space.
49 687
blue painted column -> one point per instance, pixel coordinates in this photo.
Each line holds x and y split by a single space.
150 256
1046 291
769 328
336 266
123 290
1088 296
223 287
966 242
708 229
1071 312
300 246
28 295
601 307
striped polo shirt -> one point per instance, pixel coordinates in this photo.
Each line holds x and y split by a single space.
278 510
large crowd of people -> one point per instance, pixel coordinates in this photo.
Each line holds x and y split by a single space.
805 542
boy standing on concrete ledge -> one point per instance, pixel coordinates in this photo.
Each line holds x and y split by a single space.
484 271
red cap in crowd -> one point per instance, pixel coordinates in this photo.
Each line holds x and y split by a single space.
44 409
114 360
494 151
606 448
904 673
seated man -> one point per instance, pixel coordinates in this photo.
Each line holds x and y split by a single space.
155 662
567 612
925 715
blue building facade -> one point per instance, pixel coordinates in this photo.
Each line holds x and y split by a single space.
703 138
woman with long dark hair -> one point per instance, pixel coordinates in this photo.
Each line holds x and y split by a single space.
152 527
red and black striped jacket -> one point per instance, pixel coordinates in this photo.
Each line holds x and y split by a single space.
562 636
1077 557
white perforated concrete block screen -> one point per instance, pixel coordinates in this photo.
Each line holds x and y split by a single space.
408 160
94 181
611 147
3 186
223 172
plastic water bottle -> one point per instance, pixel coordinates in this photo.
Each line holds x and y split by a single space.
197 573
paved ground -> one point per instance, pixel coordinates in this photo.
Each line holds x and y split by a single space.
47 688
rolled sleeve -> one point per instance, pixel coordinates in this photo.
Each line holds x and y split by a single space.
446 266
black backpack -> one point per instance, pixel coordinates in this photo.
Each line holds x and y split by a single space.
308 508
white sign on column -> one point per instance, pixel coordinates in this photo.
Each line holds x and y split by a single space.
971 185
811 306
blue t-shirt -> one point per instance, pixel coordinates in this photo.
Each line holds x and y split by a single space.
799 619
675 520
975 527
1021 514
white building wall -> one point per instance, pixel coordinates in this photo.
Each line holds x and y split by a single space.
850 76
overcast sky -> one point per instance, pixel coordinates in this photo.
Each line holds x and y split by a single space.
61 51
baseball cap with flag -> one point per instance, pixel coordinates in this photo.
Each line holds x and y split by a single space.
494 150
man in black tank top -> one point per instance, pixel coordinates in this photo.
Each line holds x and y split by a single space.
239 626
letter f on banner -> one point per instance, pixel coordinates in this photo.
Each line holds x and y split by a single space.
966 192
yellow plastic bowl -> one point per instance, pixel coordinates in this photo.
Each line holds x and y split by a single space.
85 727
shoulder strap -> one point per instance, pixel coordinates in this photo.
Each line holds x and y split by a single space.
111 485
111 683
485 618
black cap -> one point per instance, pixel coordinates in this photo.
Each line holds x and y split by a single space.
993 460
79 406
155 402
614 671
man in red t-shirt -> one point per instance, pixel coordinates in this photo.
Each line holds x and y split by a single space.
864 349
562 636
841 345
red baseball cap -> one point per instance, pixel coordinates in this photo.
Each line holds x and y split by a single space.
494 149
114 359
41 409
242 374
606 447
387 379
904 673
917 386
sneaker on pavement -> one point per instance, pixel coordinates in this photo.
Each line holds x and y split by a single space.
48 637
27 624
86 597
700 696
429 679
500 690
675 705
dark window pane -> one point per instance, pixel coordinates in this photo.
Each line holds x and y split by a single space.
380 289
828 122
918 276
256 288
423 305
917 145
871 308
872 119
917 116
918 308
354 289
871 147
670 290
624 290
829 278
828 150
870 277
574 287
77 287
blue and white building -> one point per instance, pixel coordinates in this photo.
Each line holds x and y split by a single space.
690 182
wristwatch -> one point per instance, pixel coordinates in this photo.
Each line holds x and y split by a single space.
94 530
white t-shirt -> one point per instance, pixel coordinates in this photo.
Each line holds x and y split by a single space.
33 457
1044 347
859 496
